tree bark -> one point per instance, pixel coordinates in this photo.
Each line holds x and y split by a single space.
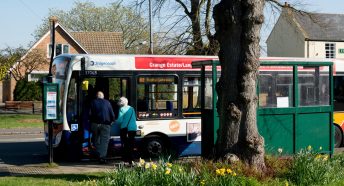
196 26
238 25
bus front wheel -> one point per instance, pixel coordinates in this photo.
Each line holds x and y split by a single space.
338 136
154 147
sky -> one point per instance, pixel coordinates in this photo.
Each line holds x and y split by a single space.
20 18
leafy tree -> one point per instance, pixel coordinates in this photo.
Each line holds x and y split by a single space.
8 57
84 17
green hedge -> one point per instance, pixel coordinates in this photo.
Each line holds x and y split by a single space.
28 91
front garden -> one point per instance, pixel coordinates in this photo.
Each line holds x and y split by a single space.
306 168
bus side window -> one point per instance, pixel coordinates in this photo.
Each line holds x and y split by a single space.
157 96
192 97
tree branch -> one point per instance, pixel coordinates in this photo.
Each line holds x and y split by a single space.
208 19
187 12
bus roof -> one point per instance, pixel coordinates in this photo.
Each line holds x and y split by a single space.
135 62
103 62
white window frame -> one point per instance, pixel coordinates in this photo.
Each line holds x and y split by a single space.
62 49
29 76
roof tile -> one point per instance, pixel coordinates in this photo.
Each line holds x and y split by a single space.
100 42
319 26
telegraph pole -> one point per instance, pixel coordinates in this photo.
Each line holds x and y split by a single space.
150 51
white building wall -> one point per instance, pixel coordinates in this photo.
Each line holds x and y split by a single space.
285 40
317 49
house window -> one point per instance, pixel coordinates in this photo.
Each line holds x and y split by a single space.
37 75
330 50
59 49
65 49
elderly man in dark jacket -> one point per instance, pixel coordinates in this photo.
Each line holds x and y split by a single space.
101 116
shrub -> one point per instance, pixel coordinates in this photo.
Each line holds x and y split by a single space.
28 91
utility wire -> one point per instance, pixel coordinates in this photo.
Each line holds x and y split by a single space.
30 9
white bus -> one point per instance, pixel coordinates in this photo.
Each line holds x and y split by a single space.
164 90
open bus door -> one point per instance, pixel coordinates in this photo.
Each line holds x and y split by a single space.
113 88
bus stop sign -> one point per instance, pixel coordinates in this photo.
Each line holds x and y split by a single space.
50 101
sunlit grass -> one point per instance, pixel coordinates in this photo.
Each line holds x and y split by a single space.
56 179
8 121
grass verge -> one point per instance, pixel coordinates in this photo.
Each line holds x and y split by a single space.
8 121
58 179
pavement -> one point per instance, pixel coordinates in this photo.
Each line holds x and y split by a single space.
60 168
80 167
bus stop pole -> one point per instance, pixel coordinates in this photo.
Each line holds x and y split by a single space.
52 21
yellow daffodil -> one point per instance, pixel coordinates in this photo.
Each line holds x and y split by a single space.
234 174
229 171
148 165
320 148
280 150
325 157
169 165
202 182
221 172
309 148
180 170
142 161
318 156
168 171
154 166
286 183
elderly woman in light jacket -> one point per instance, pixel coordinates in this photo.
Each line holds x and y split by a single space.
127 121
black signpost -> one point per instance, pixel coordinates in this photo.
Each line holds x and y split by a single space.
50 90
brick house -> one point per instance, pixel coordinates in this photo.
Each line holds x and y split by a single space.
66 42
309 35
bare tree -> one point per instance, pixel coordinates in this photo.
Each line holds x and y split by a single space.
189 32
35 59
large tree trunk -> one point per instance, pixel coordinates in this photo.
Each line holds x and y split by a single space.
238 24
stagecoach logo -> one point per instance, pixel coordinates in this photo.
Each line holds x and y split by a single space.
174 126
101 63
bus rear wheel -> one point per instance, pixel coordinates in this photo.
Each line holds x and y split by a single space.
338 136
154 147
